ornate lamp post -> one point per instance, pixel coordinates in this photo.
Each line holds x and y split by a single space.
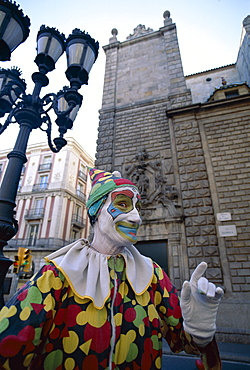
30 111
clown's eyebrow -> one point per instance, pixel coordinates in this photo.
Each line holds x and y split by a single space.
128 193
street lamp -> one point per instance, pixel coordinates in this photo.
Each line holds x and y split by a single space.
30 111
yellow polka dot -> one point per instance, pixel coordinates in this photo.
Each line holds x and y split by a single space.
154 280
49 303
25 313
141 330
163 309
134 302
3 312
158 298
122 346
152 313
82 318
69 364
48 281
160 273
118 319
12 311
158 363
112 274
123 289
80 300
143 299
28 360
57 283
70 343
96 320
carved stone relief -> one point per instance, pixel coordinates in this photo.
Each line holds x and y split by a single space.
149 172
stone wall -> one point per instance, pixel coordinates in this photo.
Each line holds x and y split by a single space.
212 142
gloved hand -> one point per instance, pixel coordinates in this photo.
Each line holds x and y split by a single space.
199 304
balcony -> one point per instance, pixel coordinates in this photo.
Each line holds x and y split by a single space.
43 243
44 167
82 176
78 221
81 195
34 214
40 187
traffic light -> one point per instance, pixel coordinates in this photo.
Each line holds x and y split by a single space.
26 260
24 257
16 265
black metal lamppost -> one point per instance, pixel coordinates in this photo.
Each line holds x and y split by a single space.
30 111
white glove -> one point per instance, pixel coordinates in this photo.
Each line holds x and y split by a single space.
199 304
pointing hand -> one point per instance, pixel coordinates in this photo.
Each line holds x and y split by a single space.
199 303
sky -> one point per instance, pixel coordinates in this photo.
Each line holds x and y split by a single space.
209 33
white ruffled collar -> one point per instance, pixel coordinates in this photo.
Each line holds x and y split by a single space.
87 270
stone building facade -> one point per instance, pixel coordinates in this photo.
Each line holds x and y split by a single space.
184 141
51 201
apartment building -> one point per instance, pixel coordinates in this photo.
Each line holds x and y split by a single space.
51 200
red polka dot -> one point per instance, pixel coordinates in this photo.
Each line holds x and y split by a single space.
55 333
49 347
146 362
130 314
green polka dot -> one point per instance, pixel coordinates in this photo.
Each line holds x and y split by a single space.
53 359
172 321
132 353
37 338
34 296
119 265
140 315
155 341
4 324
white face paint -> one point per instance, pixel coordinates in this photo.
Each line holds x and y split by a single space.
118 220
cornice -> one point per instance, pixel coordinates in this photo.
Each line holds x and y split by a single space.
202 107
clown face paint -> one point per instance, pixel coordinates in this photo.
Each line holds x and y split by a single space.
125 201
119 219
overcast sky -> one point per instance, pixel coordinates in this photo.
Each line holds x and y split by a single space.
209 33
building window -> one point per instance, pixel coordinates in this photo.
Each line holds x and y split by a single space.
39 203
75 234
82 172
37 212
80 191
46 163
43 181
33 233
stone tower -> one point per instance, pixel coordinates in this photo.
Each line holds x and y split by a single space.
144 77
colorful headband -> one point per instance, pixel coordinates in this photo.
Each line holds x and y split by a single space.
102 184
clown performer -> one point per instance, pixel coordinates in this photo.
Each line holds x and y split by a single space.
104 306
